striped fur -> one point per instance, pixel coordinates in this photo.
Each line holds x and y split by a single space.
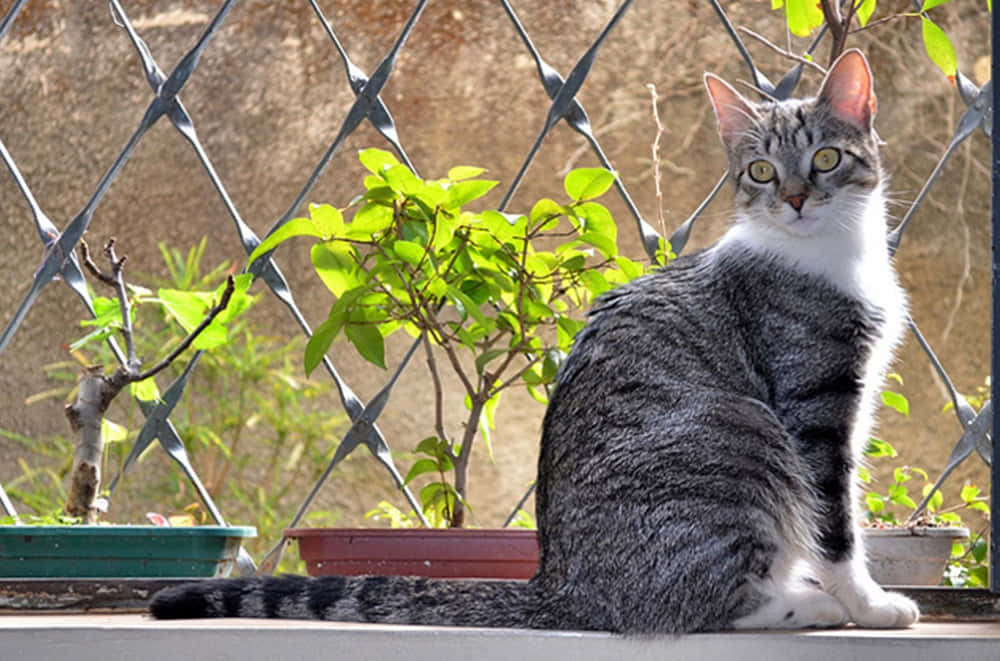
699 449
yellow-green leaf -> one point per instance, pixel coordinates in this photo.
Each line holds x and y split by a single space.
939 48
864 10
803 16
931 4
588 183
112 431
896 401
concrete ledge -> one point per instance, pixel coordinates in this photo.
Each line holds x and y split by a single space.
106 637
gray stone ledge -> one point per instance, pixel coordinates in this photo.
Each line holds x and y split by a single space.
131 636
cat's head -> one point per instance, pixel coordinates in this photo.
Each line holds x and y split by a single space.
802 166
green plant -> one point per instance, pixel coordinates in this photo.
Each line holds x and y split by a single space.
803 17
895 505
254 428
498 296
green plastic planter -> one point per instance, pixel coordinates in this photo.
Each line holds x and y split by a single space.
119 551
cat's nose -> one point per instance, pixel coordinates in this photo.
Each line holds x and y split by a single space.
796 201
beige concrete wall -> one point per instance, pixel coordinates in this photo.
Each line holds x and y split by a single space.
269 96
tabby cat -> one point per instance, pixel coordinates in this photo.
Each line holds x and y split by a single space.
697 467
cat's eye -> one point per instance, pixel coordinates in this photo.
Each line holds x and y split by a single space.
826 159
761 171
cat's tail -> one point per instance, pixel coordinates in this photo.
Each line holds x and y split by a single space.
386 599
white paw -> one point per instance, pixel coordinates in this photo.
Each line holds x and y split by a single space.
878 609
796 609
820 610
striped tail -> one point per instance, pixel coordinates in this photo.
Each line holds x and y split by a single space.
386 599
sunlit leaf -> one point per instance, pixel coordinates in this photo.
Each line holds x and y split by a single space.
377 160
939 48
864 11
460 172
896 401
588 183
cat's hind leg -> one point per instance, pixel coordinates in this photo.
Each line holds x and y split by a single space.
794 604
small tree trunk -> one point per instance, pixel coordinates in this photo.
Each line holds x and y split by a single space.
462 461
85 415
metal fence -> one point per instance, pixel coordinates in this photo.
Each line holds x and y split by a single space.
61 263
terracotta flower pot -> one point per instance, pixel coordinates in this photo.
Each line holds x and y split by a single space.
910 556
436 553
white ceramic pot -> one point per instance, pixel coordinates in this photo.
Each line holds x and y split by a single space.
910 556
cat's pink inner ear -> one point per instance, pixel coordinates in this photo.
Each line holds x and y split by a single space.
848 90
733 113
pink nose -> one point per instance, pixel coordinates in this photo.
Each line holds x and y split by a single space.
796 201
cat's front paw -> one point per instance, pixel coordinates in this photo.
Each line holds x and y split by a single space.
879 609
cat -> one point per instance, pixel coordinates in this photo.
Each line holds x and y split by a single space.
698 454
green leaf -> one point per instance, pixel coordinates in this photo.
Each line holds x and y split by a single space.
597 219
372 218
369 342
377 160
408 251
588 183
460 172
896 401
864 475
864 11
189 309
936 500
463 192
979 549
604 244
239 301
879 448
402 179
939 48
483 359
294 227
145 390
875 503
969 493
327 219
550 364
544 212
320 342
335 266
632 270
421 467
112 432
803 16
931 4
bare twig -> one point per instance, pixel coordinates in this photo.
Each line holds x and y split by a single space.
656 161
781 51
92 267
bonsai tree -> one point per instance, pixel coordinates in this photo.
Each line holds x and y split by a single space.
496 299
201 313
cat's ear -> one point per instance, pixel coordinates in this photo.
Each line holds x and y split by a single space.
733 112
847 90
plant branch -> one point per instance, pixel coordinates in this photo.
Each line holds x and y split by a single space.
186 342
92 267
438 390
517 375
781 51
126 308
